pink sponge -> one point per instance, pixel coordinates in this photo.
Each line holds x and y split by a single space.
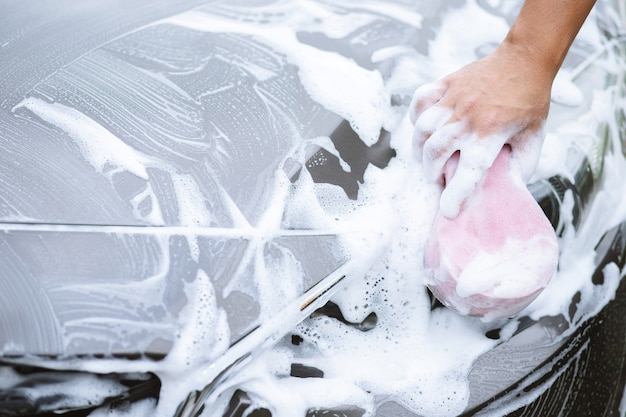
498 254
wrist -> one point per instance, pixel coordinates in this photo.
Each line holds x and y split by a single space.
544 31
533 54
527 58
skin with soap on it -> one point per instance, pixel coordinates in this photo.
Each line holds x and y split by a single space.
502 98
493 110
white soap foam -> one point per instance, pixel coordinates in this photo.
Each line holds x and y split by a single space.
417 358
109 155
330 78
142 408
492 273
565 91
91 389
463 31
204 337
103 150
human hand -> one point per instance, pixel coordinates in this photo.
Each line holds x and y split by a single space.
501 99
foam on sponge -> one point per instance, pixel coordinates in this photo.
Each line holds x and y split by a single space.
498 253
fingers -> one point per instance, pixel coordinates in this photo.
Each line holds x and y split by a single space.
425 114
471 168
443 126
431 120
476 157
425 97
458 190
439 147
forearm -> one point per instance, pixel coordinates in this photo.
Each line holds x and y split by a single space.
545 29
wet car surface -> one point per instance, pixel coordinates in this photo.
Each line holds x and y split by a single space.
139 164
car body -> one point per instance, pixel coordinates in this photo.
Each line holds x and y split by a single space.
145 147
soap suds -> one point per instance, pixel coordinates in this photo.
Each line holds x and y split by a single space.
415 356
